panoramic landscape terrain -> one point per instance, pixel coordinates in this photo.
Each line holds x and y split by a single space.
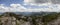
33 18
29 12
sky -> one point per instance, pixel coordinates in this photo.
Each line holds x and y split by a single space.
8 2
29 5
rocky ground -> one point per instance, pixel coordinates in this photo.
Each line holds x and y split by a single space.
33 19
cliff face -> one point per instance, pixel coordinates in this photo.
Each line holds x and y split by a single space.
33 19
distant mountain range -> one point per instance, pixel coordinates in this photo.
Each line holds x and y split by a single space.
29 13
37 13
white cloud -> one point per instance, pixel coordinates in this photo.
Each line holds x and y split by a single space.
29 1
35 1
42 1
52 7
20 8
12 8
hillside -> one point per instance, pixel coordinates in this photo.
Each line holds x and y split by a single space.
43 18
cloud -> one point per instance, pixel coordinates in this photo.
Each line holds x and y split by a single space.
54 5
42 1
12 8
3 8
55 1
20 8
28 1
51 8
17 8
35 1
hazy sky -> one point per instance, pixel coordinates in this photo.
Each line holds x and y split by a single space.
29 5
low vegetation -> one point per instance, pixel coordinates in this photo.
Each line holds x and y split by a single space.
34 17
